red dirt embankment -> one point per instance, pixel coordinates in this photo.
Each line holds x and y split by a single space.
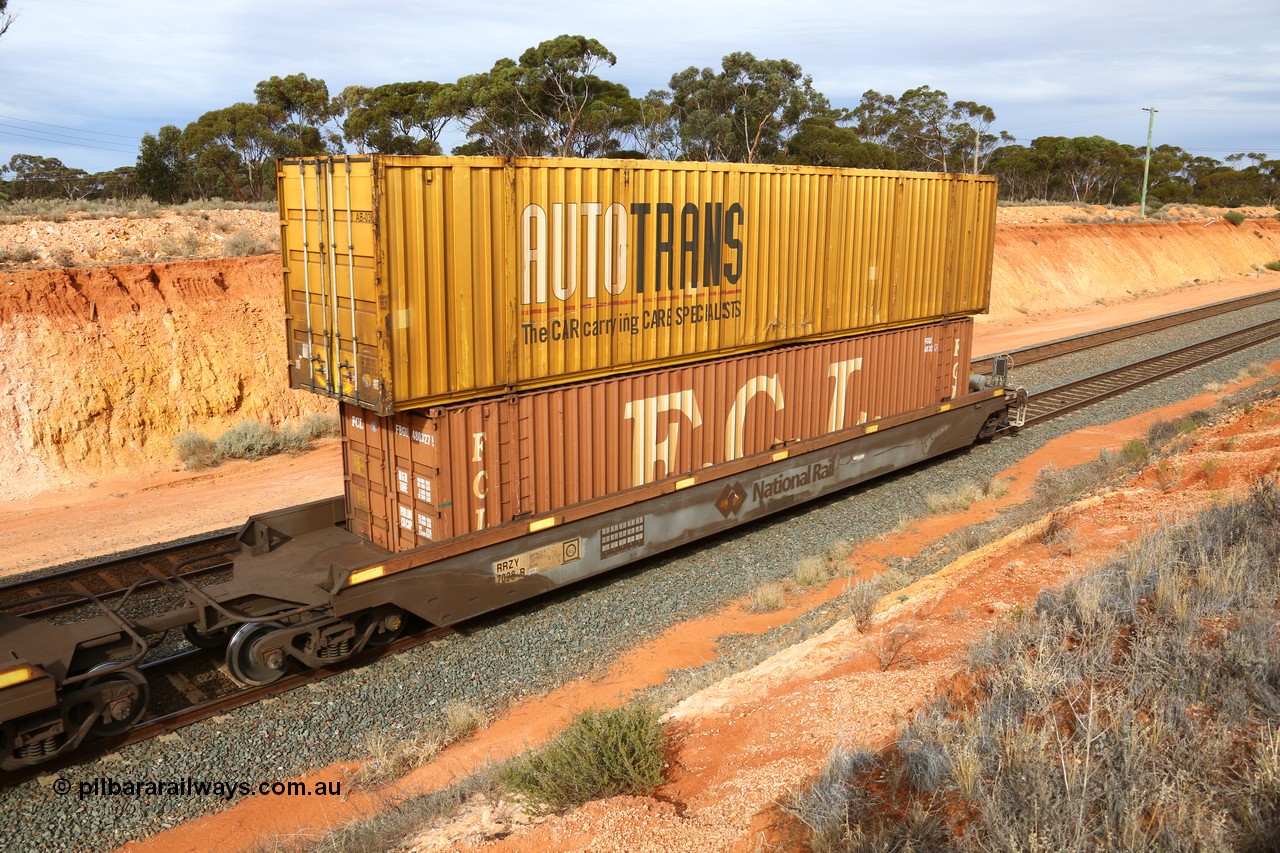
105 365
1051 267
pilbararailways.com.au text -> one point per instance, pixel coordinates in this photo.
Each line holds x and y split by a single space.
227 789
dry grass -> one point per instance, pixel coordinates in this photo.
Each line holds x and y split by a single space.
1136 709
862 598
392 756
1253 370
767 598
966 496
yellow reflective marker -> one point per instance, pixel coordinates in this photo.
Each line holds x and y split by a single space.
16 675
368 574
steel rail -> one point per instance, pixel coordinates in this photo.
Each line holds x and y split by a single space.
1071 396
1041 406
112 577
1088 340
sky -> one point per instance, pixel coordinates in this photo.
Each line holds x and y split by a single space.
83 80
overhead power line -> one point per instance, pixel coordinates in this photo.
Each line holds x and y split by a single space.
63 137
47 140
1192 148
1243 112
65 127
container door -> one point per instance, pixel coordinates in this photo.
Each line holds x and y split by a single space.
366 475
421 487
327 243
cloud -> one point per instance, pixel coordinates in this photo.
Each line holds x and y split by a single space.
134 65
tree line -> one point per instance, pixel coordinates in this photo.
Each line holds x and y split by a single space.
554 101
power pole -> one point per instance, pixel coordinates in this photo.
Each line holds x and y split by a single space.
1146 166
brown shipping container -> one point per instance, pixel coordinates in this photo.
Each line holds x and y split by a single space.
418 281
462 468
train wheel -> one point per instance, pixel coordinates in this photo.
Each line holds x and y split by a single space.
201 640
125 696
255 655
390 626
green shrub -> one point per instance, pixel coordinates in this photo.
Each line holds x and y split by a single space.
195 450
319 425
1235 217
1192 422
1136 451
242 244
248 440
291 441
601 754
1274 266
252 440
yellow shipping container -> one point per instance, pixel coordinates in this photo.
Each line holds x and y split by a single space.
414 281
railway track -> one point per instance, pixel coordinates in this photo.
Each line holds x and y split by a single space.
195 685
1089 340
47 595
1093 389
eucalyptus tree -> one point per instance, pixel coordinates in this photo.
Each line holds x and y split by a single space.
309 112
1263 176
822 141
1093 167
240 143
656 133
163 169
34 176
928 131
744 113
397 118
551 101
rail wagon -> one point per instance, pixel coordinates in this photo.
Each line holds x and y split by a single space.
871 311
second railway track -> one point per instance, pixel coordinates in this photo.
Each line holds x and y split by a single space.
43 595
1071 396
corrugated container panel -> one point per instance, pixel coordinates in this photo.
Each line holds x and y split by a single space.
416 281
461 468
366 468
